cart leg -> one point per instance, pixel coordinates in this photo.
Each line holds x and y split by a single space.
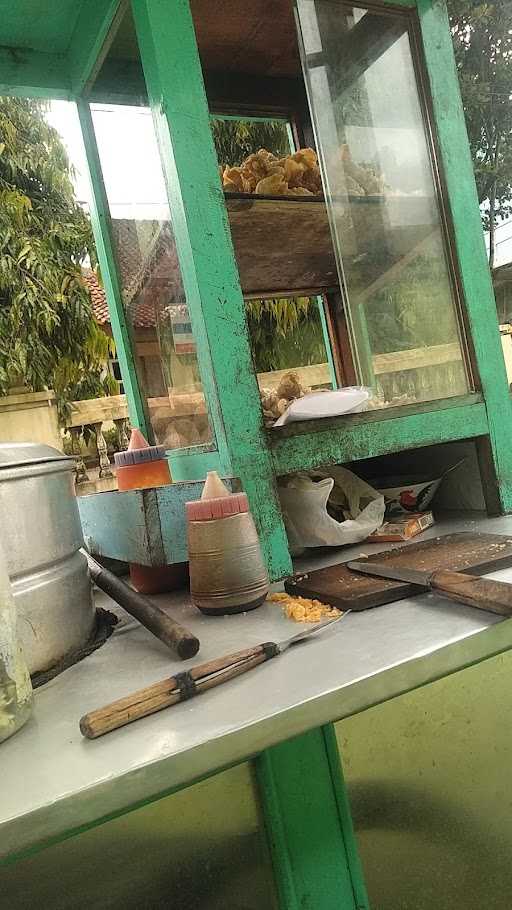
309 826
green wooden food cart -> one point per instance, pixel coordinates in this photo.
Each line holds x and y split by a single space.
391 251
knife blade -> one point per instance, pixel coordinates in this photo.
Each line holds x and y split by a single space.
482 593
382 570
304 635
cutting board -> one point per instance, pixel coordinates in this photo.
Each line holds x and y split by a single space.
469 552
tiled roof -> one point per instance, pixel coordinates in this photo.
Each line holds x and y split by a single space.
148 269
144 318
99 301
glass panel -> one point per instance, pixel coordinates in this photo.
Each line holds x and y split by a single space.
152 287
287 334
382 200
201 849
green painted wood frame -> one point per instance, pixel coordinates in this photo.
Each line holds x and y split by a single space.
176 90
173 75
309 826
480 306
100 218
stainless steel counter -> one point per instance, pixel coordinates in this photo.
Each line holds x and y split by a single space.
52 781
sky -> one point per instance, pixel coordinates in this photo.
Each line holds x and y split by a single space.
129 157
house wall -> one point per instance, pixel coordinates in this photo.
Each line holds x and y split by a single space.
30 417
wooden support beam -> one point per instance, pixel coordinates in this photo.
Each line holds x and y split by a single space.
97 23
177 96
231 93
309 826
31 74
305 446
480 306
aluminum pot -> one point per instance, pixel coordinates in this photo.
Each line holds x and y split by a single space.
42 536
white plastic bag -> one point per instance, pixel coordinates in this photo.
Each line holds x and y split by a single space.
307 521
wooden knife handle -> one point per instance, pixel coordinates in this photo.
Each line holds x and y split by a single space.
494 596
174 689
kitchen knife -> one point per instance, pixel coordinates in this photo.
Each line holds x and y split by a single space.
186 685
482 593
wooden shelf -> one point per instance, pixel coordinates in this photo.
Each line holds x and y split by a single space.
283 244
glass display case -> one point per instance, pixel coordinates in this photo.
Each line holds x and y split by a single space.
322 221
357 247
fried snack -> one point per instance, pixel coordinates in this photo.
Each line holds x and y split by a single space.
301 609
290 387
353 188
298 175
293 171
308 157
269 403
363 176
299 191
274 185
254 169
312 181
233 175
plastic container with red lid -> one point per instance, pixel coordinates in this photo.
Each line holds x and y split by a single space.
144 467
227 572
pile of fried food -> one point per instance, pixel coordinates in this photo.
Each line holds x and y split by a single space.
267 175
297 175
275 401
301 609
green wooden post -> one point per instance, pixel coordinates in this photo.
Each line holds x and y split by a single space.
327 341
100 219
474 269
177 96
312 843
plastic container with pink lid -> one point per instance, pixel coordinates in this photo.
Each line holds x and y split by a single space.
227 572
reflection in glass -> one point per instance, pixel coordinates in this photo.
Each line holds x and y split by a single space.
382 199
152 288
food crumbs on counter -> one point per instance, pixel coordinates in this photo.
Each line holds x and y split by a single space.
301 609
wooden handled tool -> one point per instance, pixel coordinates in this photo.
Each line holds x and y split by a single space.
482 593
186 685
148 613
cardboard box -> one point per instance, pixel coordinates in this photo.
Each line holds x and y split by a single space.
402 528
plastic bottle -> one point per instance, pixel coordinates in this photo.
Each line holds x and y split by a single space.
144 467
227 572
15 685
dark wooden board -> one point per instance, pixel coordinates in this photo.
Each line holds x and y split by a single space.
468 552
281 245
284 244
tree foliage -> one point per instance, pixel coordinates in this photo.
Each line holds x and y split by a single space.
482 33
285 333
47 332
234 139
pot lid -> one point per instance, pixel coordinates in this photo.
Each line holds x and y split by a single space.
18 453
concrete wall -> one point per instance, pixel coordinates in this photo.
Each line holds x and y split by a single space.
30 417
